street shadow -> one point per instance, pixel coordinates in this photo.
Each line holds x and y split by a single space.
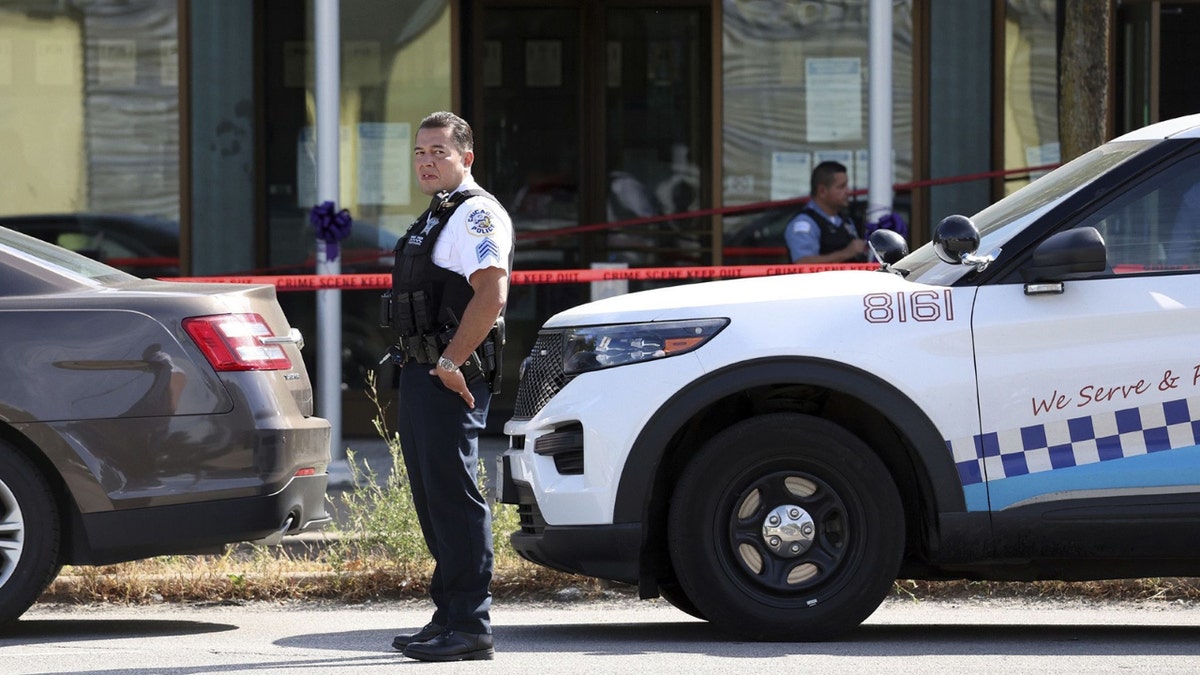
693 637
558 637
45 631
1029 639
35 631
291 665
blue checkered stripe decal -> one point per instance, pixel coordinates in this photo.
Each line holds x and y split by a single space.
1077 441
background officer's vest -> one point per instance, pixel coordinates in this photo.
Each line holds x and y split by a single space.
833 237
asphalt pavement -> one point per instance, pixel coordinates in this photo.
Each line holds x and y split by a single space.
905 636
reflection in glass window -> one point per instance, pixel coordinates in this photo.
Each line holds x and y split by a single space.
89 117
1030 88
795 94
395 69
396 60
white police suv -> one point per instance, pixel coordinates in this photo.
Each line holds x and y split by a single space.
1019 399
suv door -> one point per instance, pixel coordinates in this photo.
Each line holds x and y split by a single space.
1088 398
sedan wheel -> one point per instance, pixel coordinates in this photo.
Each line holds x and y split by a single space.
29 534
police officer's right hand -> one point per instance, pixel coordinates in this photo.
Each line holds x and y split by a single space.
455 382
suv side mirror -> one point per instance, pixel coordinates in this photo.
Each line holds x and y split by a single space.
1065 254
888 246
955 239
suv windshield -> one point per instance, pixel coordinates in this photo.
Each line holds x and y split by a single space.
1001 221
60 258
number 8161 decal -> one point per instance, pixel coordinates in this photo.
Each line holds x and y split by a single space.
914 306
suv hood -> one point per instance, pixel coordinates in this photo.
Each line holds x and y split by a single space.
726 298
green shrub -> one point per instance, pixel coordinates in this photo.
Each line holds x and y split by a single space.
380 523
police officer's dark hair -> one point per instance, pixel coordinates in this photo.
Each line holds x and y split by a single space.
460 131
824 173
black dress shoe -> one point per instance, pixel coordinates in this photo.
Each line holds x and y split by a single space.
430 631
453 646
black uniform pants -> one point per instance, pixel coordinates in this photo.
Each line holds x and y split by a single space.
439 438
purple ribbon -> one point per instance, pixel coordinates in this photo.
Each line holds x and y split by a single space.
889 221
331 227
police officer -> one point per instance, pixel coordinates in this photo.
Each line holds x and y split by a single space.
450 285
820 233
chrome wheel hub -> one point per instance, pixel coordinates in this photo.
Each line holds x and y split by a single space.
12 533
788 531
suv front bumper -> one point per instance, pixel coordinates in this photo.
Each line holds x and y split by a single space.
603 551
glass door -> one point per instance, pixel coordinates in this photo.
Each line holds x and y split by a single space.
1154 62
1178 89
527 111
530 131
586 113
657 93
595 113
1137 38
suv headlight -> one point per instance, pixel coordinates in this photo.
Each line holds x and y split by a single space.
595 347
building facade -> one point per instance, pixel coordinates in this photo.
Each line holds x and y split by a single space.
201 113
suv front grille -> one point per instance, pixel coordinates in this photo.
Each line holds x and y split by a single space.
542 375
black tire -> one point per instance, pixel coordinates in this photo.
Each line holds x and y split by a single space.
828 562
673 593
29 534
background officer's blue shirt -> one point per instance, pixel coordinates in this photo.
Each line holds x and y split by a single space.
803 235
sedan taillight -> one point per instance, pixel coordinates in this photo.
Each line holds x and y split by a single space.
236 342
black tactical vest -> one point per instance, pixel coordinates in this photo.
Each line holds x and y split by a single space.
428 301
833 237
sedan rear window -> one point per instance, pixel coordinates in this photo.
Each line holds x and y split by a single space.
59 258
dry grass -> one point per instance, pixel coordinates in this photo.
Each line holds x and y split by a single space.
1165 589
248 574
261 574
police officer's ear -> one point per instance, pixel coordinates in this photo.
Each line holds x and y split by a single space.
468 158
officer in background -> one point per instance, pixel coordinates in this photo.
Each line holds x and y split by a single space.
449 288
821 233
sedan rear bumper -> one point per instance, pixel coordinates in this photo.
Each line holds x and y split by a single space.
200 527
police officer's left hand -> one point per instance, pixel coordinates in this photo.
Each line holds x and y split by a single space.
455 382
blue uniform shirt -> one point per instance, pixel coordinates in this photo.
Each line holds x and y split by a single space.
803 235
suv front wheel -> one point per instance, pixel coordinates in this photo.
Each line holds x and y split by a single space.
786 527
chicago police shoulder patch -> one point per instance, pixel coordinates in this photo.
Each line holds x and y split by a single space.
479 223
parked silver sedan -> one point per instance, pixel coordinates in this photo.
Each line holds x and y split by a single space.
142 418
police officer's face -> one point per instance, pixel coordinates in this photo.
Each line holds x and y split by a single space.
438 163
835 196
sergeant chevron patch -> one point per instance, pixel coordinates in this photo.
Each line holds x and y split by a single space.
487 249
